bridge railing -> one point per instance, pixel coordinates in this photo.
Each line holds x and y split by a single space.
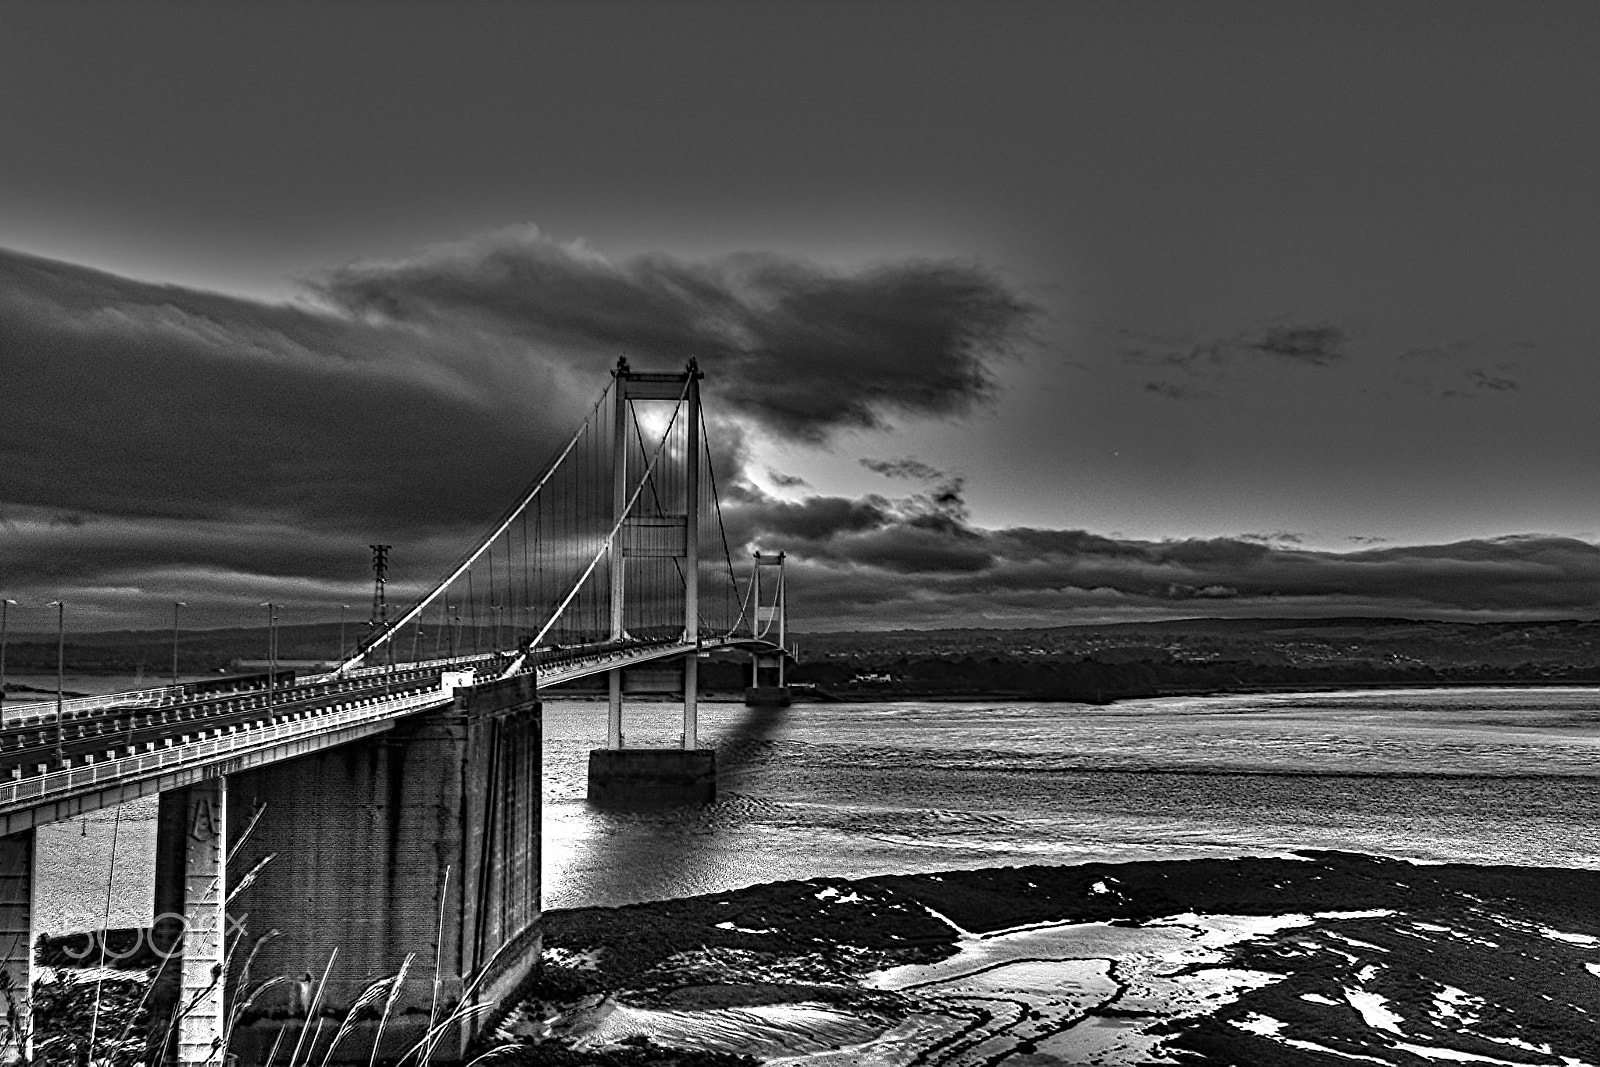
47 708
132 767
401 665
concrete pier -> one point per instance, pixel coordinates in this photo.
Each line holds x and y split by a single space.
16 943
420 844
188 1002
205 900
654 777
768 686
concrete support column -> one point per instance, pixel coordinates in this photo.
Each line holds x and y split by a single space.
614 713
205 900
691 702
16 944
422 843
767 686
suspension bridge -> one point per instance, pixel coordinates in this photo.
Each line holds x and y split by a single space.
382 818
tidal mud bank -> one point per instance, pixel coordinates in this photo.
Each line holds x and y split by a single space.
1329 958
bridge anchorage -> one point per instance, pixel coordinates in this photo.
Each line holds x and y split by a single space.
347 864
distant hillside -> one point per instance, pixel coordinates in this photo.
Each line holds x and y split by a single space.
1566 642
1198 655
1090 662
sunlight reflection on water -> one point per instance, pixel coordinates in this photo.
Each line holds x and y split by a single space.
1480 775
850 790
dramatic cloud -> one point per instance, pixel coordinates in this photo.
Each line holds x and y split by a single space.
124 398
803 350
162 442
882 562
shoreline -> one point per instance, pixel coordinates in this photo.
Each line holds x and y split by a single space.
1313 952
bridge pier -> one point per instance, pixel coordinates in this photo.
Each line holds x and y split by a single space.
188 1003
654 777
614 712
16 943
414 851
202 1021
767 688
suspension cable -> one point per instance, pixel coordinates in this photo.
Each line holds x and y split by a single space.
507 518
533 643
716 498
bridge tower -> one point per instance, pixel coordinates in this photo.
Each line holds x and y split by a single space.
651 776
768 686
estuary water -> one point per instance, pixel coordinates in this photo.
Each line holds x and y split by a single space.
851 790
1482 775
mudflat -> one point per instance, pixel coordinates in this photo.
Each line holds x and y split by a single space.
1324 958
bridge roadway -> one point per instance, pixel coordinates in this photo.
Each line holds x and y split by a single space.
117 752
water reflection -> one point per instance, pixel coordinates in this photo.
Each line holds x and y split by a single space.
1502 776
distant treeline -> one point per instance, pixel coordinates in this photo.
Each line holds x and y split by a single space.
1094 680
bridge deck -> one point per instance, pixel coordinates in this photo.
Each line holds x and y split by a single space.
113 751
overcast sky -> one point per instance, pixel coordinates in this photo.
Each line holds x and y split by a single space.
1014 313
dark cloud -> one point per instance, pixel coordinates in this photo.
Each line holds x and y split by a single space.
1219 359
1483 381
803 350
163 443
786 481
1172 391
903 468
159 440
1455 350
1469 367
880 562
124 398
948 497
815 520
1279 537
1317 345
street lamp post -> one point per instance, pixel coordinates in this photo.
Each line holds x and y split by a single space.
176 604
342 609
272 647
5 605
61 647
